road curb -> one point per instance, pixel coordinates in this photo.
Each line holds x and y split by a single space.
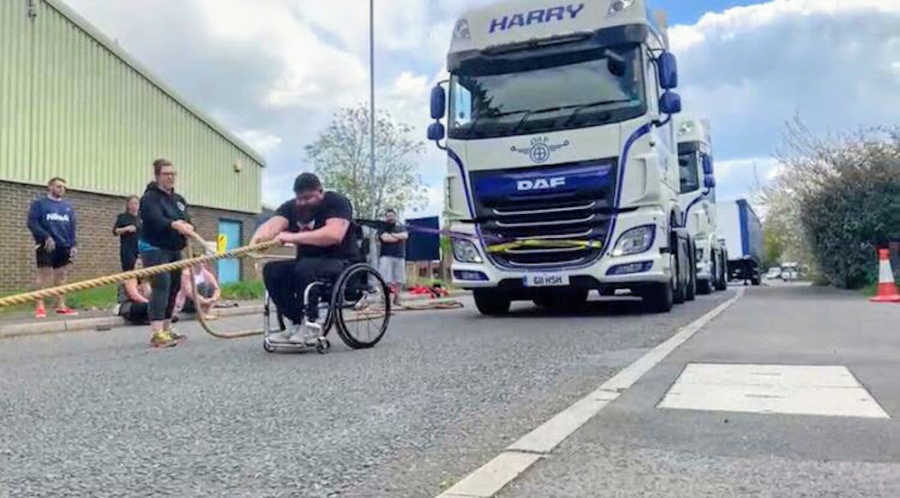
79 324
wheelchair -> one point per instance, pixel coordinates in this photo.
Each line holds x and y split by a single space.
357 303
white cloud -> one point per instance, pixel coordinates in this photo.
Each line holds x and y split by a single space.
274 70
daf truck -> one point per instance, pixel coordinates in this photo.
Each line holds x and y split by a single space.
562 166
744 237
698 202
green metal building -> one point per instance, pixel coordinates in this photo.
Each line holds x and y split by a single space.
74 105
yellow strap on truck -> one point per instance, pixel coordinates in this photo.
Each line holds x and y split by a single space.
544 243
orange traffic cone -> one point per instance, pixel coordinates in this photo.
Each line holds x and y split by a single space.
887 289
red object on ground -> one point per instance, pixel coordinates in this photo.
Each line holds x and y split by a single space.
887 288
40 313
66 312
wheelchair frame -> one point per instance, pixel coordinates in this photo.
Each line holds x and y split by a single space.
333 307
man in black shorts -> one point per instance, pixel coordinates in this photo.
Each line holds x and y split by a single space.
319 224
51 221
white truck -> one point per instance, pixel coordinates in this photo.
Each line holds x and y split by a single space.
698 202
562 158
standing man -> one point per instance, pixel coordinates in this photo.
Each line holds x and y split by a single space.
127 228
392 260
164 231
51 221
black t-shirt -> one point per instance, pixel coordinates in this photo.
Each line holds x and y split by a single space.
128 240
393 249
334 205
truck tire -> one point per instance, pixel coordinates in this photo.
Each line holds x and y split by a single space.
755 279
704 287
658 298
679 294
692 271
491 302
722 276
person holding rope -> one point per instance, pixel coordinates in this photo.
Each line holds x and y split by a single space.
165 227
319 224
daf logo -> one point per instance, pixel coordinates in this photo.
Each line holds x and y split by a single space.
540 149
541 183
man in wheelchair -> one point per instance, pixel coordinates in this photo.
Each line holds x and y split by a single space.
318 223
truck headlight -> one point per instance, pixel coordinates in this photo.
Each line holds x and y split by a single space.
465 251
635 240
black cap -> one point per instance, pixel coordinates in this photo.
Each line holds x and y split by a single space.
306 182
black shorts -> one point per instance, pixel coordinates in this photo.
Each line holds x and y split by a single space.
60 257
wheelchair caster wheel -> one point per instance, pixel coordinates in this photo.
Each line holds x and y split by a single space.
323 345
268 347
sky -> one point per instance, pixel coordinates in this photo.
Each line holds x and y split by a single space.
274 71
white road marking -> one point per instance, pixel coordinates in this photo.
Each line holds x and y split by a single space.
490 478
788 389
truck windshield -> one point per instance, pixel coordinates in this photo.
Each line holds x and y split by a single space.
690 177
544 95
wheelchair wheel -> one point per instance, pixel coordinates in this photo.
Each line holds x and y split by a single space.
361 306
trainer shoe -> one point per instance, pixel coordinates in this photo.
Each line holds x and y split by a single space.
66 311
162 339
176 336
311 333
280 337
40 313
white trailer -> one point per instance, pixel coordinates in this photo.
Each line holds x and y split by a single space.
561 145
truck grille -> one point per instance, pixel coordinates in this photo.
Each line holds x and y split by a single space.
579 207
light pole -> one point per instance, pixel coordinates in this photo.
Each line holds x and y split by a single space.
372 90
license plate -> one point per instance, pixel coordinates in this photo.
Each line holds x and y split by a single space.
545 280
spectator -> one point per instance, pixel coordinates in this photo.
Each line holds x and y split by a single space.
208 292
127 228
165 226
51 221
392 260
134 299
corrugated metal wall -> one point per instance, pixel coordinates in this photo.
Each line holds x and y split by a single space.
70 107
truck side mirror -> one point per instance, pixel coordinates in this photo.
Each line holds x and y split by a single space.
438 102
436 131
668 70
707 165
670 103
709 181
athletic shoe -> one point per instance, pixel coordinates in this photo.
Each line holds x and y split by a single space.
66 311
280 337
162 339
176 336
40 313
308 334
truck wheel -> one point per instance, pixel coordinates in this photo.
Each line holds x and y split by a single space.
491 302
679 287
658 298
692 270
722 277
704 287
755 280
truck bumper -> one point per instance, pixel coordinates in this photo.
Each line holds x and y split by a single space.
608 272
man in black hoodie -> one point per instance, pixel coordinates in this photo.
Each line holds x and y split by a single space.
165 228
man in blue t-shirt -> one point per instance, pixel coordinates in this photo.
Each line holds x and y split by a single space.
51 221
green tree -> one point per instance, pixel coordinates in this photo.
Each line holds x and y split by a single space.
843 194
340 156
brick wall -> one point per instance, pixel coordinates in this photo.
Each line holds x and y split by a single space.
98 248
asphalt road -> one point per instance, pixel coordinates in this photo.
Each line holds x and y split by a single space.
101 414
635 447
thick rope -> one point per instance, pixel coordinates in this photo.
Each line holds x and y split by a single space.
252 251
128 275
